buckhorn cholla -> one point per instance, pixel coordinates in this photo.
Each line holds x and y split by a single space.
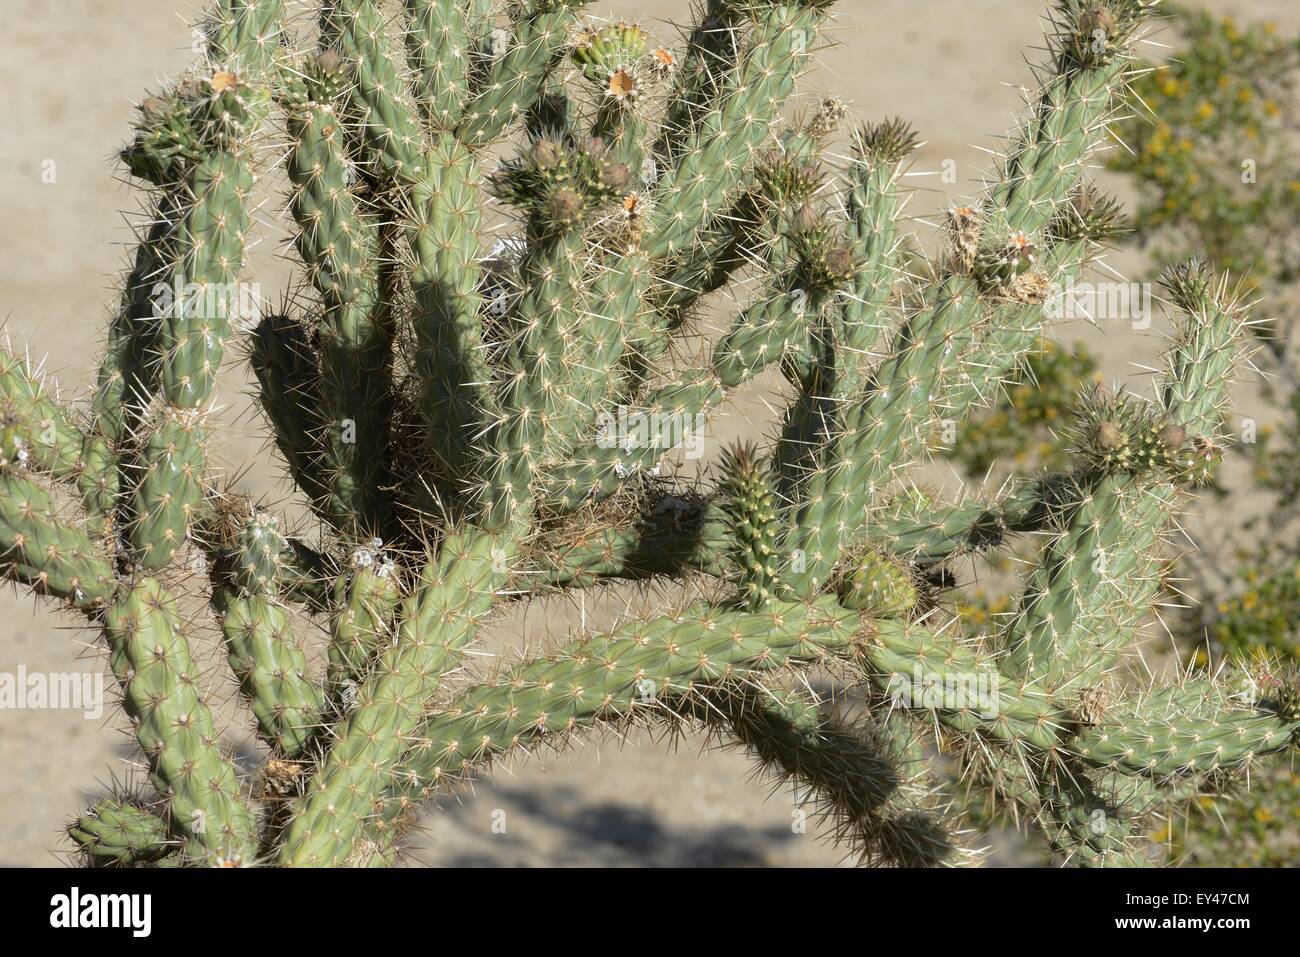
438 402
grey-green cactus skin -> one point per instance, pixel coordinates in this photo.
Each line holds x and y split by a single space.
471 422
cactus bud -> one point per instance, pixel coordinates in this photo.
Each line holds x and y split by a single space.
1110 436
1090 214
1093 34
155 109
189 88
805 220
1172 437
964 227
839 264
997 264
1098 21
1092 705
1187 283
329 62
1286 699
826 119
546 153
617 177
782 180
564 207
886 142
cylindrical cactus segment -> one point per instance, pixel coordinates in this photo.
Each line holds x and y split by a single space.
520 65
1092 56
438 41
712 49
959 685
642 669
1085 825
169 491
1096 581
245 34
128 373
118 833
288 378
205 294
357 30
617 319
916 528
748 498
860 778
50 440
256 556
41 549
1078 607
1195 728
271 668
438 620
366 599
1209 346
876 433
100 483
339 243
150 655
873 203
455 380
560 186
724 141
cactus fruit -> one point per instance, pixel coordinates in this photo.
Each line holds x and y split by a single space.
472 425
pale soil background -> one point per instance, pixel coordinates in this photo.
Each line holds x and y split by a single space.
71 71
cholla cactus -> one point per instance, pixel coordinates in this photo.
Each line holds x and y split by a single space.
474 424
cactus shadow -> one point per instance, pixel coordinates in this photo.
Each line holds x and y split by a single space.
558 827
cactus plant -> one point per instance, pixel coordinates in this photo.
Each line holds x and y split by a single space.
472 425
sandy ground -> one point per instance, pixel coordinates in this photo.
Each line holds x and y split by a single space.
72 71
